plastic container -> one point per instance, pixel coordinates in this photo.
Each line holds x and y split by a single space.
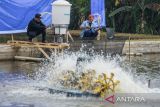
61 12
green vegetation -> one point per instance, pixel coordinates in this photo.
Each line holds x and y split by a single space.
126 16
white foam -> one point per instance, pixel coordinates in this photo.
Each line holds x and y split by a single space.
68 61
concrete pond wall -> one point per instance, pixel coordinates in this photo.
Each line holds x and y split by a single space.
144 47
8 52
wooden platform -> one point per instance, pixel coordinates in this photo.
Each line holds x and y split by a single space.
22 58
53 47
38 44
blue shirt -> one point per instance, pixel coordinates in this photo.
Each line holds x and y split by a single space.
86 23
93 26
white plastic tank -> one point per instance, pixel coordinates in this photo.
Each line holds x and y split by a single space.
61 10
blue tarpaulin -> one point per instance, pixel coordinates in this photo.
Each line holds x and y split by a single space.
16 14
98 10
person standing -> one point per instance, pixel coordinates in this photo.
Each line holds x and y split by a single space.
36 27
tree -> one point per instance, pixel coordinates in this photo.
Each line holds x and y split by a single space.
130 16
140 6
79 12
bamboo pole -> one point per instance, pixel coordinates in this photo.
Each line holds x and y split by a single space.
12 36
70 36
129 49
58 47
22 58
44 53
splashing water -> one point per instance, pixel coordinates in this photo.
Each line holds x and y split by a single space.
24 91
68 62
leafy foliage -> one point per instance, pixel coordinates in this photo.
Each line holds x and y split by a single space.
128 16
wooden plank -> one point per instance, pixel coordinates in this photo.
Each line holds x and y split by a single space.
34 46
22 58
69 35
56 46
12 37
44 53
42 45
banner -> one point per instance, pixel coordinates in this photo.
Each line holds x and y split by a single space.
98 10
16 14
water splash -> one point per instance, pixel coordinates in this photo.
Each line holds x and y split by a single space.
68 62
25 91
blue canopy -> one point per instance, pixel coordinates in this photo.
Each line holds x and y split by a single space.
16 14
98 10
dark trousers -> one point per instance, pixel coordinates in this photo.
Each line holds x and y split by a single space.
90 33
33 34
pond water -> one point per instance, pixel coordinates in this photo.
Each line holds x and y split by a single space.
26 84
145 68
